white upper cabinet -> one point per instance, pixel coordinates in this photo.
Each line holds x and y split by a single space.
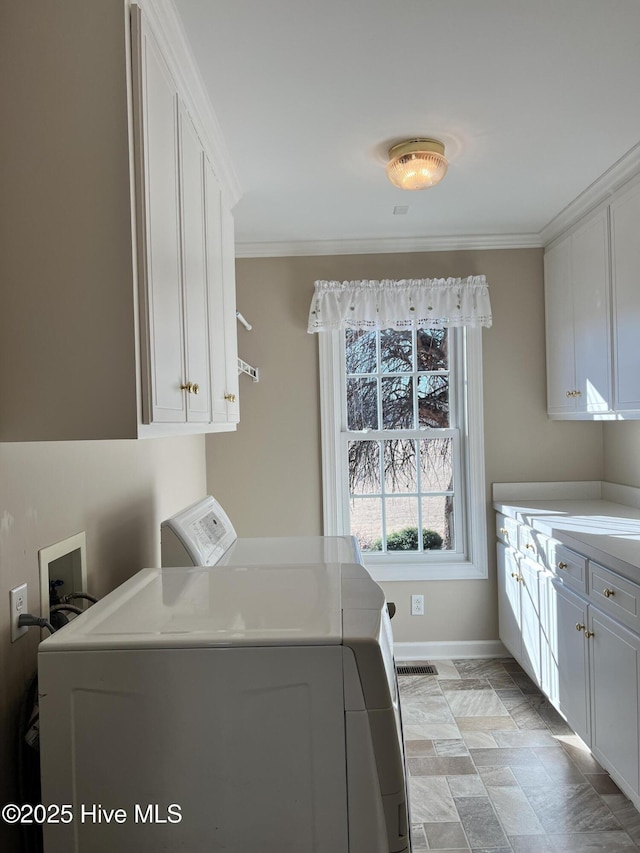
625 245
561 366
159 231
592 299
187 276
117 258
577 311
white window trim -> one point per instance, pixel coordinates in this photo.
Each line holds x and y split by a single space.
335 498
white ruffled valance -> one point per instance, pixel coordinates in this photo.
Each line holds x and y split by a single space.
413 303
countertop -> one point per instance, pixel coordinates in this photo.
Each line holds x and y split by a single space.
602 530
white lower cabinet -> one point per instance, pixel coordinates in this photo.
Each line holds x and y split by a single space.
509 600
614 659
566 630
530 619
569 667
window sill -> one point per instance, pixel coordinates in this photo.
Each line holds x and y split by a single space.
395 570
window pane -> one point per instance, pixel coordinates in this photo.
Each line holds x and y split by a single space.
362 404
402 524
433 400
437 521
432 349
436 464
395 351
364 467
360 348
366 522
400 466
397 402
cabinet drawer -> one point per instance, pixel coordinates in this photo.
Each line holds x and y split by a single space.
567 565
614 595
532 544
507 529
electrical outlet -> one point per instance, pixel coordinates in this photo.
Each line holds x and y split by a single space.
19 604
417 605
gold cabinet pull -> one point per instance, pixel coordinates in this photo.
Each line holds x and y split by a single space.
589 634
195 388
580 627
530 546
562 565
188 386
230 397
574 393
504 531
609 592
515 575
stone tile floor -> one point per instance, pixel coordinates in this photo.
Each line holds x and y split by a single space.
493 768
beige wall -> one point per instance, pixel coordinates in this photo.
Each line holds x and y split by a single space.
118 492
622 453
268 474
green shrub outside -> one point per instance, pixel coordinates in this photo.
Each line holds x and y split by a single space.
407 540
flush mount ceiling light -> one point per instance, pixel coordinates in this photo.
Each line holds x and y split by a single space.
417 164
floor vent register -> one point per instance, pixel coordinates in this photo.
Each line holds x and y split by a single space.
417 669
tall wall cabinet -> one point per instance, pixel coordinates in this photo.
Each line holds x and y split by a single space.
117 242
592 295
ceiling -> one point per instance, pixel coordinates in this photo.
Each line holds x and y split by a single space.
533 99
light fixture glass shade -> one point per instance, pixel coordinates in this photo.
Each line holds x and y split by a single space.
417 164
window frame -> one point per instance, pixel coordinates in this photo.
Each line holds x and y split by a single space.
466 383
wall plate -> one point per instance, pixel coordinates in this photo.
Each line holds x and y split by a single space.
65 561
19 603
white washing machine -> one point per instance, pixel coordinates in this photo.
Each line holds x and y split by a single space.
203 535
244 709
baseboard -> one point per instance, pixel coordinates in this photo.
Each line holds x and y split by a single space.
450 650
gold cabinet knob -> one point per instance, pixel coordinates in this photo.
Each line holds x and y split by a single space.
609 592
569 393
515 575
188 386
230 397
580 627
195 388
589 634
504 531
562 565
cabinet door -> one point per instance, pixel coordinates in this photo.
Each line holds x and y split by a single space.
559 328
591 315
196 323
530 619
159 233
568 622
625 264
230 322
509 601
614 661
222 304
548 637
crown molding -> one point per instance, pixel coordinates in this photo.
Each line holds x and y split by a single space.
598 192
387 246
168 30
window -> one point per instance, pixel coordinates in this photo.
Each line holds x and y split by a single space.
403 449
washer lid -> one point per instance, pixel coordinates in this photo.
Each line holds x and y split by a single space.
208 607
291 549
